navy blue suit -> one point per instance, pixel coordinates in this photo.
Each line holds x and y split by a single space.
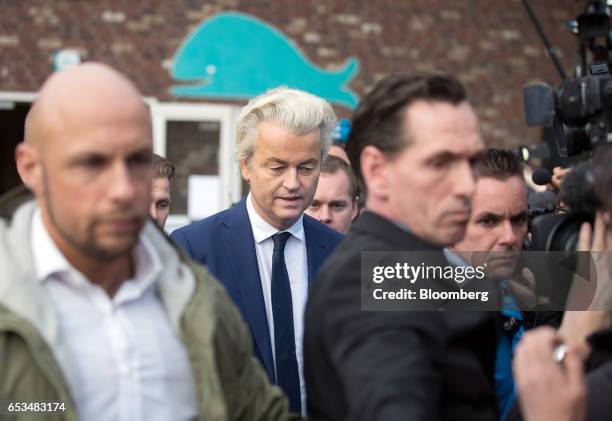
224 243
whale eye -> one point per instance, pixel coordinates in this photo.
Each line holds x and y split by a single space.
211 69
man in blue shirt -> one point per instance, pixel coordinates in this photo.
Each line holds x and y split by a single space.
494 237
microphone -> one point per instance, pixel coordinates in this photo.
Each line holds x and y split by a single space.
541 176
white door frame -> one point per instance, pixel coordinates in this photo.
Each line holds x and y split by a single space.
227 116
15 96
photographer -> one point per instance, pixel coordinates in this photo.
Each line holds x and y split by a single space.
563 393
495 234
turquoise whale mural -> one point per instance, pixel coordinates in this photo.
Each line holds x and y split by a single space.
236 56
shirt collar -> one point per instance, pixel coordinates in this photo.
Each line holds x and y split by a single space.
49 261
453 258
262 230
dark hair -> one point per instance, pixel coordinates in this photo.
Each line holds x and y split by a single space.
333 164
163 167
379 118
602 175
497 163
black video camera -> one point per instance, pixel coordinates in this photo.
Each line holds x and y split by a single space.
559 232
580 111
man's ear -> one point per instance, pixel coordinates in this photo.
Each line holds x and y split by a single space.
29 167
374 170
355 210
245 170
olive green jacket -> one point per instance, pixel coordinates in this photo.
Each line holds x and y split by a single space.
230 384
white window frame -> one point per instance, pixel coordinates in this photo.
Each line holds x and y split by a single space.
15 96
161 112
227 116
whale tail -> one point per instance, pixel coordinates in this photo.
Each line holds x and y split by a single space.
349 71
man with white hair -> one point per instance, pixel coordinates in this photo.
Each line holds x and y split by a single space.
101 317
264 250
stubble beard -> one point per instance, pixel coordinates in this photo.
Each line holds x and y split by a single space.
87 246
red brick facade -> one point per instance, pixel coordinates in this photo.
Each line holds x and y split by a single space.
490 45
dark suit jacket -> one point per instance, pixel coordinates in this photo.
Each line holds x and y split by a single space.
224 242
417 366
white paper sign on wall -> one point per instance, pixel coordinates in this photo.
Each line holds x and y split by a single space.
64 59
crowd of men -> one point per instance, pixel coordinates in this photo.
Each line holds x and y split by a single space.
255 313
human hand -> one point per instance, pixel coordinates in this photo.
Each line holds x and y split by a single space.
599 243
549 390
557 177
524 291
577 326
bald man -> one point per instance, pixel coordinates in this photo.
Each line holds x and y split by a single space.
99 314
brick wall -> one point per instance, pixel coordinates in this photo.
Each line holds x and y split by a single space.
490 45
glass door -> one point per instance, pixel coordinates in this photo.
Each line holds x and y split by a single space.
200 141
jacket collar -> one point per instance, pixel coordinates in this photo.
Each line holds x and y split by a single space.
262 230
237 220
399 238
238 242
21 293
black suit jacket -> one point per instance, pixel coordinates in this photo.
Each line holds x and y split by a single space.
389 366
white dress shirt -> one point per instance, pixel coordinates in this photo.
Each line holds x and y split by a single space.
119 356
297 268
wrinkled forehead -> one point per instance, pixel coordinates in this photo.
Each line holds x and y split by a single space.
505 198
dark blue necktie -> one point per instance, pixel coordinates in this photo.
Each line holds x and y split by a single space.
287 376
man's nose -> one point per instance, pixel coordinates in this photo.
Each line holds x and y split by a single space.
508 236
464 180
291 180
325 216
121 186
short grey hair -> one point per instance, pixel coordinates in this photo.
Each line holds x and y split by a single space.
298 111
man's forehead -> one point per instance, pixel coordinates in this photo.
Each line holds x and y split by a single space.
333 184
82 98
73 153
270 129
337 178
161 182
434 127
106 139
499 196
160 187
430 111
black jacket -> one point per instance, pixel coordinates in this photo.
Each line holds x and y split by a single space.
392 365
599 379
